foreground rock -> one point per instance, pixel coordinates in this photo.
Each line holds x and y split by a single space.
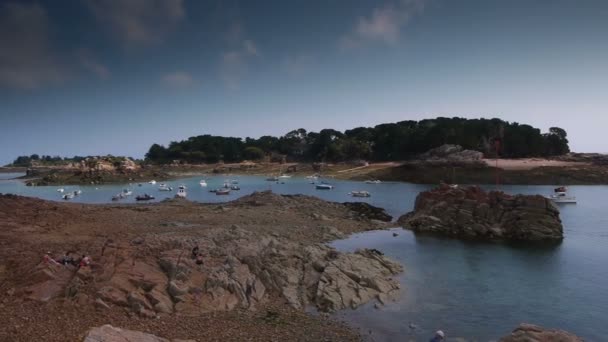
472 213
108 333
533 333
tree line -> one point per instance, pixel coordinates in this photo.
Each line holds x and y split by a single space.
385 142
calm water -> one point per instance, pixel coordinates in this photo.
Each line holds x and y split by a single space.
477 291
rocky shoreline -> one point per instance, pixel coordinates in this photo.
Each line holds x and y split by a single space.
263 257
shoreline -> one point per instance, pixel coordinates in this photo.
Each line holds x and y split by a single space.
510 172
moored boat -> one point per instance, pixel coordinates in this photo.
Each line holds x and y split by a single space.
60 190
68 196
362 193
152 182
144 197
203 183
273 179
181 191
561 196
373 181
164 187
324 186
127 192
235 187
222 192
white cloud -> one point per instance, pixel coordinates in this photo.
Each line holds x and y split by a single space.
298 64
139 21
27 60
384 24
234 64
178 79
92 65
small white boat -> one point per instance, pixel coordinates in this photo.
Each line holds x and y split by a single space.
181 191
284 176
127 192
234 181
360 193
68 196
152 182
561 196
77 192
203 183
118 197
324 187
164 187
60 190
373 181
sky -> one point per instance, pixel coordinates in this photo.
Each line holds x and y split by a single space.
96 77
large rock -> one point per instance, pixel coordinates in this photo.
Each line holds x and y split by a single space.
475 214
533 333
369 211
108 333
451 153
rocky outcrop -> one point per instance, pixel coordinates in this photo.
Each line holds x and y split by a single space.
240 269
533 333
451 153
369 211
472 213
108 333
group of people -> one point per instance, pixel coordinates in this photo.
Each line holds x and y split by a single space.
68 260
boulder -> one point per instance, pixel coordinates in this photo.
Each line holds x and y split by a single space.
472 213
534 333
369 211
451 153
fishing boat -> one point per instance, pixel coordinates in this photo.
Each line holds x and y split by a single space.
560 195
68 196
181 191
324 186
360 194
164 187
222 192
152 182
77 192
60 190
203 183
127 192
373 181
144 197
235 187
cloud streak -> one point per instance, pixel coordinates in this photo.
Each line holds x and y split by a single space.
27 60
177 79
139 21
383 25
234 64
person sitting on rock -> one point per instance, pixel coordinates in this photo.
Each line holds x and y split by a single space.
85 261
67 259
439 336
48 259
194 252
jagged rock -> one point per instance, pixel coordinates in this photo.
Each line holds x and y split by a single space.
369 211
99 303
533 333
475 214
354 279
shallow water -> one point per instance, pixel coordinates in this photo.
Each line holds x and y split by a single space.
477 291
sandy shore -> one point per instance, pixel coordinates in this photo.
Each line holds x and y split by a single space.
531 163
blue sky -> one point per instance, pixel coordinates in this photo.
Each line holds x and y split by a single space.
80 77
